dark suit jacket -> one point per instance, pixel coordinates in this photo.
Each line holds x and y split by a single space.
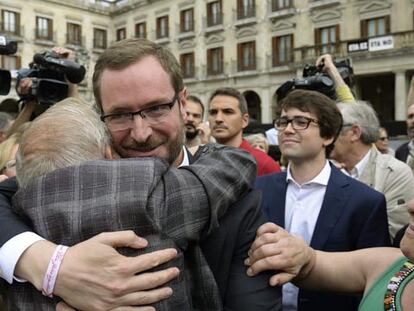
402 152
233 237
352 216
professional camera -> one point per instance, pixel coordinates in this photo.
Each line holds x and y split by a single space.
49 73
315 79
7 47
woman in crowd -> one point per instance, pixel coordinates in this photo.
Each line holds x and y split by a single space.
383 142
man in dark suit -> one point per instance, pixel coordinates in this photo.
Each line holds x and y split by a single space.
313 199
139 90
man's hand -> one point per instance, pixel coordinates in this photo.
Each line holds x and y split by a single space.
65 53
275 249
204 133
94 276
329 67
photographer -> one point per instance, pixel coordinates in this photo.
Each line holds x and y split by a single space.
342 90
26 83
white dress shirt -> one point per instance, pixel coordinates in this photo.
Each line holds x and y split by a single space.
359 167
11 251
302 207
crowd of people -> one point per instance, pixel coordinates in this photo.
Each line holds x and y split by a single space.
150 199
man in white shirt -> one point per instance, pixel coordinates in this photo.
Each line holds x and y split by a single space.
313 199
355 149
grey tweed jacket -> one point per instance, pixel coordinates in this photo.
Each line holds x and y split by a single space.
170 207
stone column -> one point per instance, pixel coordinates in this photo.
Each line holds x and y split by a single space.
400 96
266 104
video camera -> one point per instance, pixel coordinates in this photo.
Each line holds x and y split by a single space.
7 47
49 73
315 79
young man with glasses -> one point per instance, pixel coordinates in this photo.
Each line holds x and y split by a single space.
313 199
141 96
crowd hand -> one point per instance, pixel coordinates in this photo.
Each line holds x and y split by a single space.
94 276
275 249
3 177
204 132
24 86
64 52
326 62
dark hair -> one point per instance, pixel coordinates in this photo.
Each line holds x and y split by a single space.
324 109
129 51
196 100
229 91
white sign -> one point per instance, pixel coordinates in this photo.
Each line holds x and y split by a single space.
381 43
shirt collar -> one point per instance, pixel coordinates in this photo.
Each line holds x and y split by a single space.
360 166
322 178
186 160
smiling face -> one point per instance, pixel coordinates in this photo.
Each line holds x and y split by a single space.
299 146
226 120
141 85
407 243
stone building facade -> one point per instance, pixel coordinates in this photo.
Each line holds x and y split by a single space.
252 45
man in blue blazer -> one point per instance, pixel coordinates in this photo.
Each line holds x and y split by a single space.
313 199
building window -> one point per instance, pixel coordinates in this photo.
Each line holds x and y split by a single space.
327 39
141 30
162 27
44 28
215 61
120 34
214 15
245 8
187 20
246 53
282 50
187 65
74 35
11 22
99 38
10 62
278 5
375 27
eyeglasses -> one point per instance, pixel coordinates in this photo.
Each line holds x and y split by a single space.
383 138
298 123
125 120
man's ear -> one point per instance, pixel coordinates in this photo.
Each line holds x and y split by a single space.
245 120
183 103
356 132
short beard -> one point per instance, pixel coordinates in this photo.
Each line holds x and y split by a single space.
190 134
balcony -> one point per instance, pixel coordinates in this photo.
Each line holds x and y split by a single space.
74 41
244 16
15 33
44 39
213 24
402 43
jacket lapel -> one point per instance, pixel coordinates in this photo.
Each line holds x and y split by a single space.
332 208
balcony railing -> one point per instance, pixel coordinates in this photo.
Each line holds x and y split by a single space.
246 12
76 41
16 31
402 41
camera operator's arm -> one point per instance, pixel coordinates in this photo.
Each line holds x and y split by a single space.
29 106
342 90
67 54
